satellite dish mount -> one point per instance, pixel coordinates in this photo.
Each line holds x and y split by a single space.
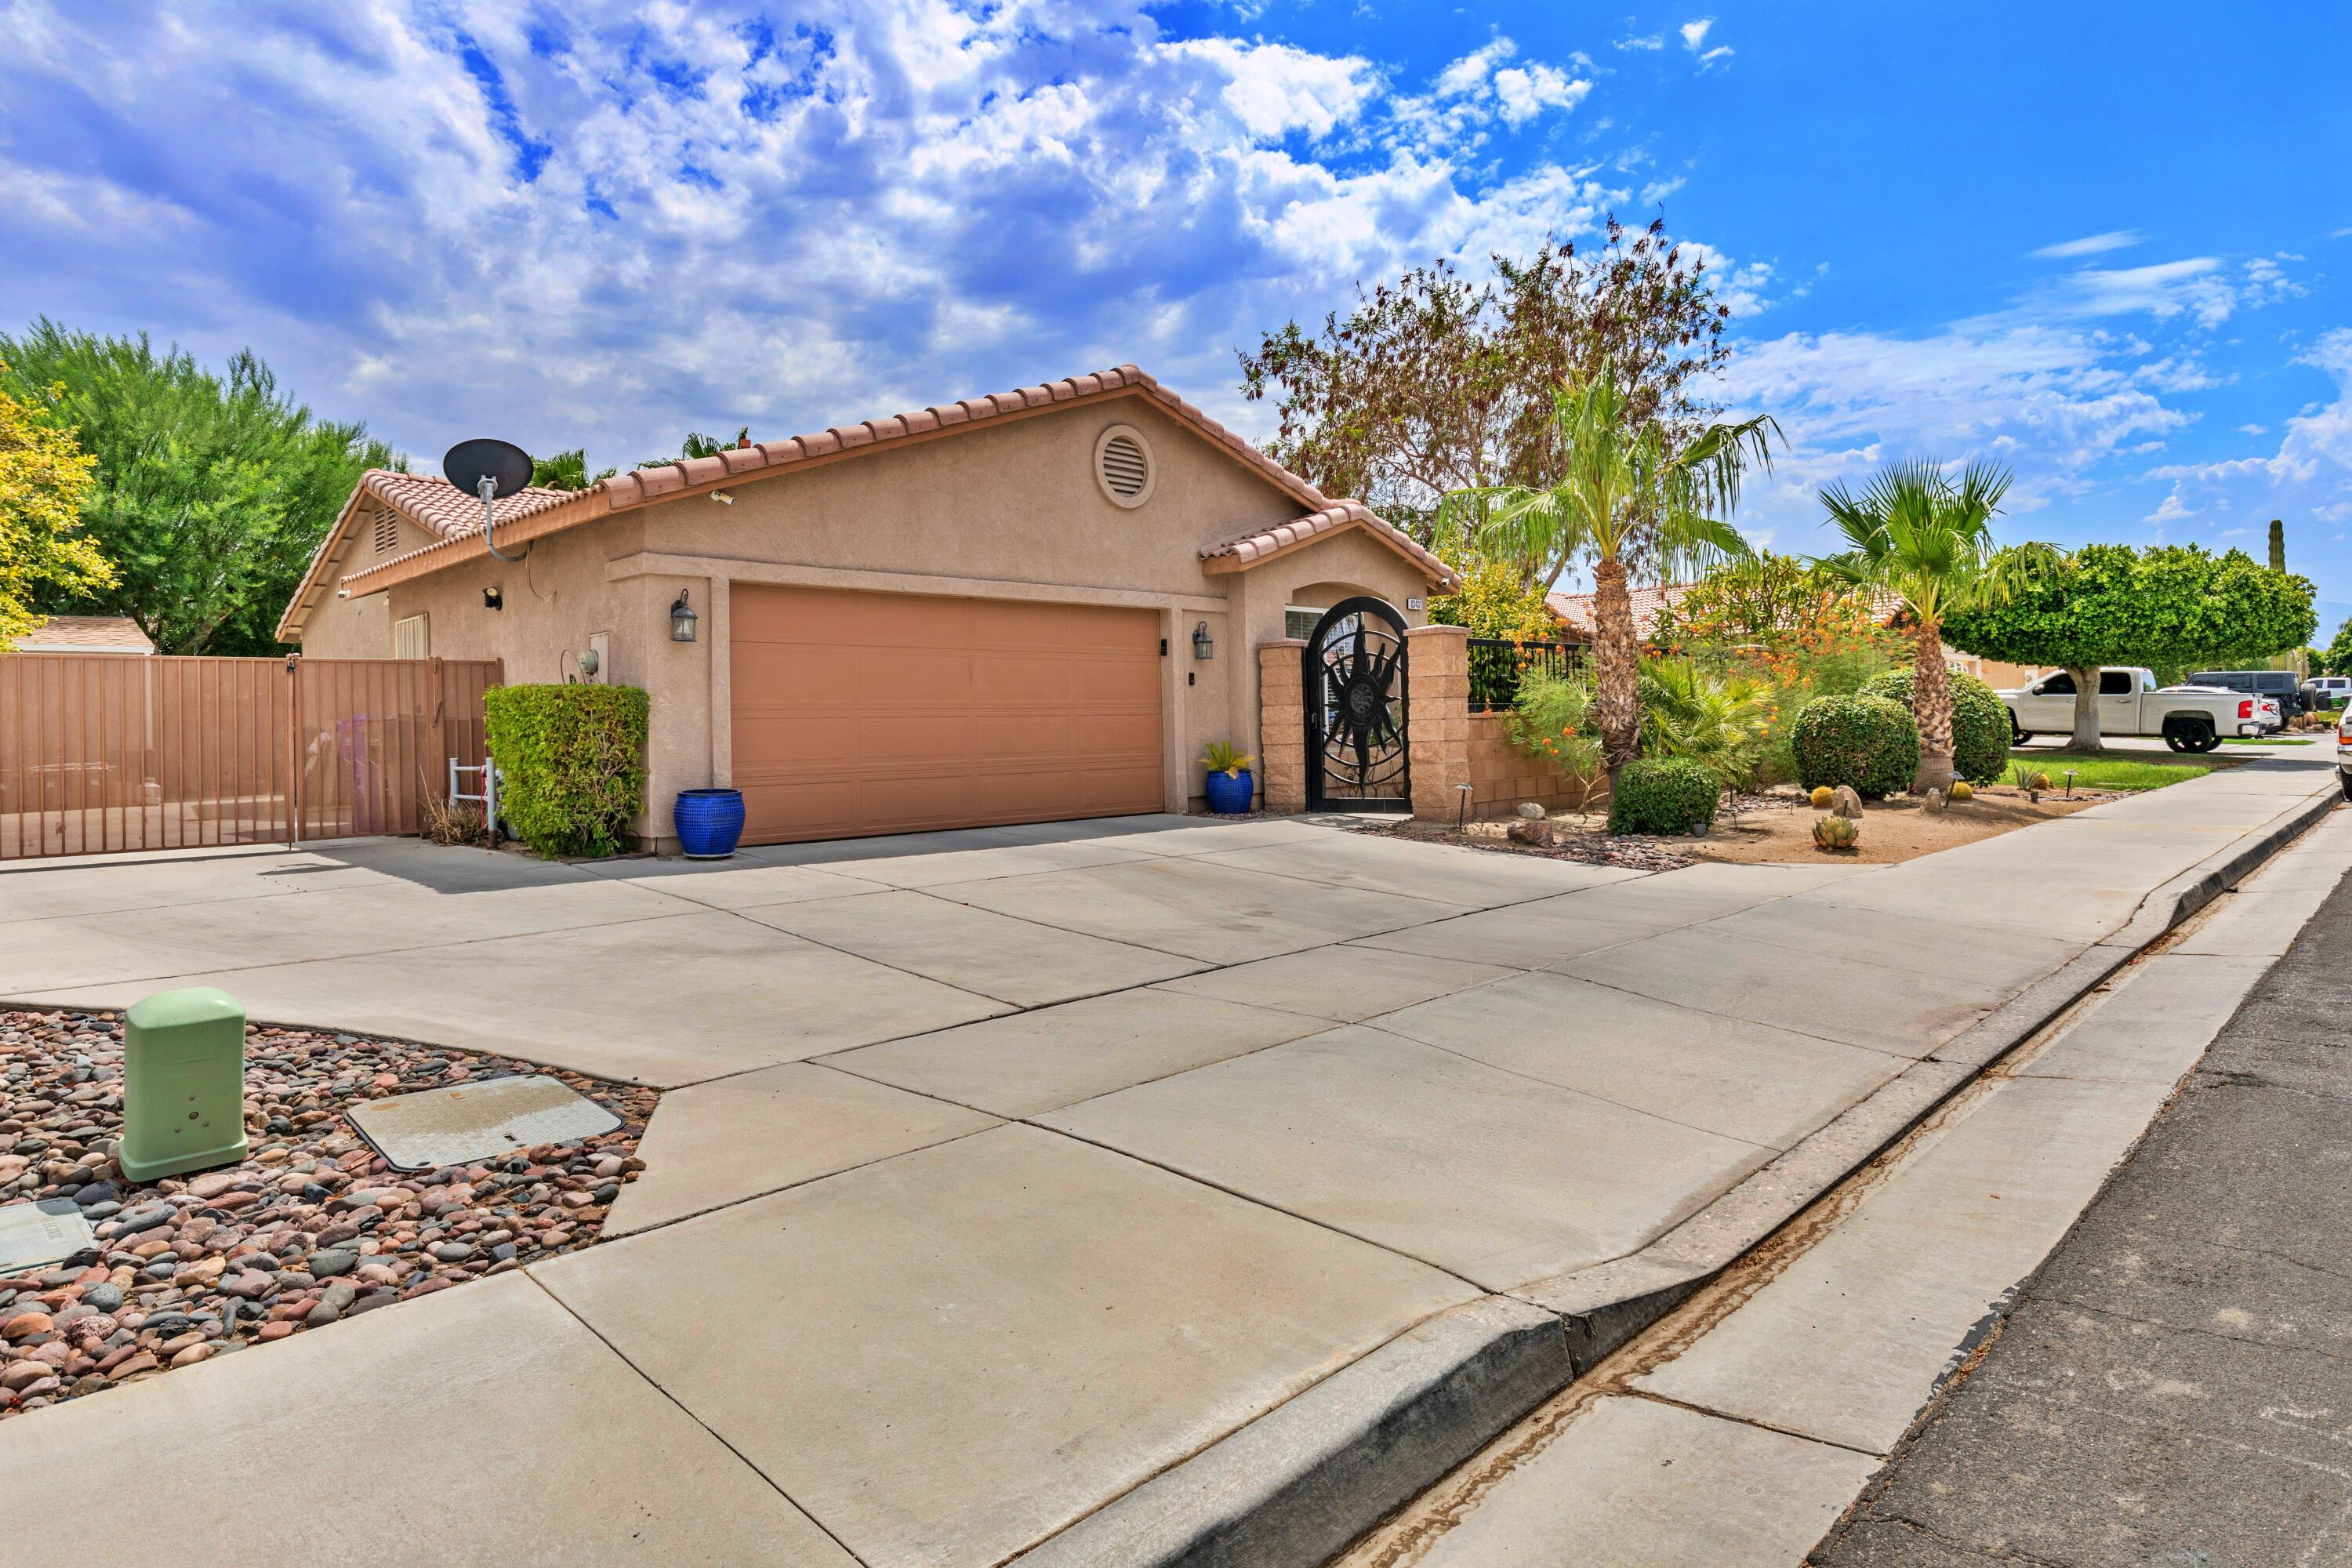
490 469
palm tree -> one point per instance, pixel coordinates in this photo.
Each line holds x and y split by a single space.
1627 498
1916 534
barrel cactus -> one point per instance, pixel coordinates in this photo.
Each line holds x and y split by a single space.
1837 833
1962 792
1821 796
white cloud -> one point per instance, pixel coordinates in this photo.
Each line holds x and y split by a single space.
1483 86
2053 403
1648 42
1694 36
1273 88
605 222
2310 472
2092 244
1523 93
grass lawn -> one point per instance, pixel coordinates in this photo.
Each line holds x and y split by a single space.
2268 740
2109 770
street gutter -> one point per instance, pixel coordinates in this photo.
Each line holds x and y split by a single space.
1302 1482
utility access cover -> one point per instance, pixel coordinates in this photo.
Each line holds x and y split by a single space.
478 1120
33 1236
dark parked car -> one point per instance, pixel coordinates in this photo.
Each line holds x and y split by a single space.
2281 685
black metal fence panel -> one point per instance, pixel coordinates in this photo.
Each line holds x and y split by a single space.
1497 665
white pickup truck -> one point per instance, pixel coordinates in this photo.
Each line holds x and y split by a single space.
2189 718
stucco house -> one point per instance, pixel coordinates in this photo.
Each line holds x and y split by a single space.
1016 607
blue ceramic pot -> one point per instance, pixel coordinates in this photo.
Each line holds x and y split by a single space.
1229 793
709 822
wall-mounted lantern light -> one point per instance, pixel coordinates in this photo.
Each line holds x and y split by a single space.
681 619
1203 646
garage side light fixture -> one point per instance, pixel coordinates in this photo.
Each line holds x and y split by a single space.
681 619
1203 644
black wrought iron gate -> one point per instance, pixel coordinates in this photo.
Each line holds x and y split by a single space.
1356 750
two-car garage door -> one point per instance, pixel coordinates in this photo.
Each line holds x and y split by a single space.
860 713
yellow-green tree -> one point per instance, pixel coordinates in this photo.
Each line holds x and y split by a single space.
43 477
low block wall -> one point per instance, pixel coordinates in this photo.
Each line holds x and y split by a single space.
1501 776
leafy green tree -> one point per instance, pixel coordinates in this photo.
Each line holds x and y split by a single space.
2339 651
1433 383
1621 492
2170 606
211 491
1914 533
1494 603
566 470
44 477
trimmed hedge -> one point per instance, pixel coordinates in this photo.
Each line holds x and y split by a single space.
572 764
1980 721
1663 794
1867 742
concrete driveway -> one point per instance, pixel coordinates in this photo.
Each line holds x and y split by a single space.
1001 1171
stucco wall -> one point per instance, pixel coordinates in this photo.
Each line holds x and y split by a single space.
358 627
1011 511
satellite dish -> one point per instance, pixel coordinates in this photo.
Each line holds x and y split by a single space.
468 463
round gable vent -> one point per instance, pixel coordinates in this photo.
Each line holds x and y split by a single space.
1123 466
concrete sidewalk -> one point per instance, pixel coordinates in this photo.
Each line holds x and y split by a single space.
1740 1427
1004 1173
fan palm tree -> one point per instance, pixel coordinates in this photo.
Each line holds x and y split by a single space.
1628 498
1915 533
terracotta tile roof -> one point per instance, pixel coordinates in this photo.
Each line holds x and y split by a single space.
441 508
648 484
1576 609
434 505
1250 548
85 633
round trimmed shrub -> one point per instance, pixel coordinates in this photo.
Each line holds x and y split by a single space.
1868 743
1663 794
1980 721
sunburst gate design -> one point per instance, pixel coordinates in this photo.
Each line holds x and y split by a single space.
1356 752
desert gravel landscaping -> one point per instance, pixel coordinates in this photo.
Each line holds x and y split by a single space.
312 1228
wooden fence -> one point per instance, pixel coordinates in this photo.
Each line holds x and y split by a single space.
112 751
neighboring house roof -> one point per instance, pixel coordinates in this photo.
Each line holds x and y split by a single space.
85 633
1576 609
1263 544
443 510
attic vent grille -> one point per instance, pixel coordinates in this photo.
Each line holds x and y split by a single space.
387 530
1123 466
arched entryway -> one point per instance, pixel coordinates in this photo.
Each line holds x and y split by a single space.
1357 753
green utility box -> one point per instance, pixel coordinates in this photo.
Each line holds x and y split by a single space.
183 1083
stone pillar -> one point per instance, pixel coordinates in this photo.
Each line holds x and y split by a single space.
1437 719
1282 725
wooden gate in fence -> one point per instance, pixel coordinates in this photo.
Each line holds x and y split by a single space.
112 751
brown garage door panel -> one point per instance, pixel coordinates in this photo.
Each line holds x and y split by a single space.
861 713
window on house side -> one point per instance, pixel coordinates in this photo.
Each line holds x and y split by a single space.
410 639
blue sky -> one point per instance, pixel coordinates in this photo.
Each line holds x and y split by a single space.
2104 244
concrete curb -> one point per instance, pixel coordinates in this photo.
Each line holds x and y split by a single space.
1303 1480
1300 1482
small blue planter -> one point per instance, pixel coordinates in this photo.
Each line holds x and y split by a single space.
1229 793
709 822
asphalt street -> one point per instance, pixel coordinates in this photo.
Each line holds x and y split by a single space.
2172 1387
